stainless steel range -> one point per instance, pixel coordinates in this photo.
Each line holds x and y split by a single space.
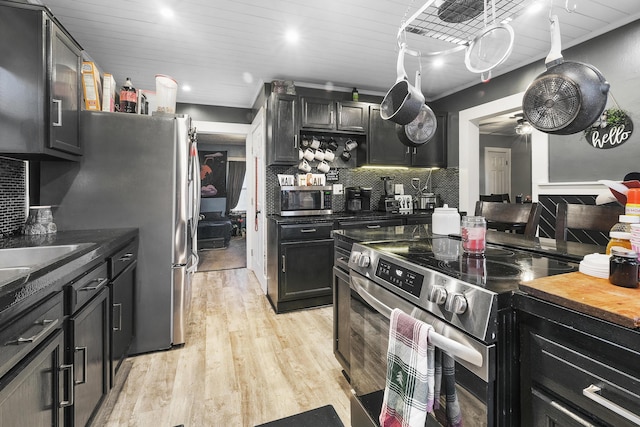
467 301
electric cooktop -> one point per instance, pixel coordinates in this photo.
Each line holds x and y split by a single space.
500 269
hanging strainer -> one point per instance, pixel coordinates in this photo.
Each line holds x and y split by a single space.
491 47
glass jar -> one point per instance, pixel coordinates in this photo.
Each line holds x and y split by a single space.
623 267
618 238
474 229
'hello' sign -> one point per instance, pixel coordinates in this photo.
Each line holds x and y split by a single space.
609 136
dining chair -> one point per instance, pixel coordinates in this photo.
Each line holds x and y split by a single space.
495 198
521 218
571 216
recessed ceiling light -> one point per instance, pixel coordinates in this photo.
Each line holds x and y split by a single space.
166 12
186 88
292 36
535 7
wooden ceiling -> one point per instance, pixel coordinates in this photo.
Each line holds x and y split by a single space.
226 49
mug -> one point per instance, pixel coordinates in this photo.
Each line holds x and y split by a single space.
329 156
332 144
319 155
315 143
305 142
346 155
350 145
323 167
304 166
300 154
309 154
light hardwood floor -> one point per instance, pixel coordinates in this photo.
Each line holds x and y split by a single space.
242 364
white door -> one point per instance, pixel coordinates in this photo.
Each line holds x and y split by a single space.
497 167
256 212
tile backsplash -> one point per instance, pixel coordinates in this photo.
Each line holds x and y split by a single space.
13 194
443 182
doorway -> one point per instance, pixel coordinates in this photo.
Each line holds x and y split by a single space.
226 229
469 149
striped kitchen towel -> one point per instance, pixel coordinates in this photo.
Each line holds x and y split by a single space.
445 378
409 389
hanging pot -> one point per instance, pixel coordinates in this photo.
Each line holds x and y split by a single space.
568 97
403 102
420 130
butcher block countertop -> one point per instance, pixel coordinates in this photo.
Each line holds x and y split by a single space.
590 295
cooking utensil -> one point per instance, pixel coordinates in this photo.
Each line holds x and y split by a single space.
568 97
402 102
420 130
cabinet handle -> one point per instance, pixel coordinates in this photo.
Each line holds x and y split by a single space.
85 363
591 392
47 325
374 226
101 283
126 257
295 141
58 103
283 264
331 117
119 317
415 150
69 369
308 230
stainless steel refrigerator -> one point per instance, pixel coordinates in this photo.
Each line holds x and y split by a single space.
138 171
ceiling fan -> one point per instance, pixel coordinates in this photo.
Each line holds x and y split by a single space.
523 127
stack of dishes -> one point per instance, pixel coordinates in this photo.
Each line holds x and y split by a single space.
635 238
596 265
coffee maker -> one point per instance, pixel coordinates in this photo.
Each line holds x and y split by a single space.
388 202
358 199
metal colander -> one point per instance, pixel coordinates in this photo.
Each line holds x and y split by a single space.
552 102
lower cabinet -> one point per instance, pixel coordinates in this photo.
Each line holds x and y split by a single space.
35 382
576 370
300 263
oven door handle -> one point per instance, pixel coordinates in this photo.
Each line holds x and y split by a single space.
454 348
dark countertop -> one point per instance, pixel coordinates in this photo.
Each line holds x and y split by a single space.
21 291
345 216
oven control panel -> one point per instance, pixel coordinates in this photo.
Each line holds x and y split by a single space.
400 277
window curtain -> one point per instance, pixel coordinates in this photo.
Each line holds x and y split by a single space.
235 178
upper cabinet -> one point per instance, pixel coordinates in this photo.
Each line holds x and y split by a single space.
282 130
327 114
40 85
384 148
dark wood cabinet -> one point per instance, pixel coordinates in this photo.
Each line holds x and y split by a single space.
89 340
282 130
576 370
40 110
383 146
328 114
385 149
88 343
300 265
34 381
433 154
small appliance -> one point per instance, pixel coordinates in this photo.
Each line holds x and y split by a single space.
388 202
304 200
358 199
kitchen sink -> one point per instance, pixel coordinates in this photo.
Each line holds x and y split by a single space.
21 258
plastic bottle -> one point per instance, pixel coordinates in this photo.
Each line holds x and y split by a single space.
128 97
354 94
620 233
633 202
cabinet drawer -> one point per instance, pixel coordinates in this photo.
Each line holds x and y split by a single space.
571 374
28 331
311 231
122 259
85 288
371 224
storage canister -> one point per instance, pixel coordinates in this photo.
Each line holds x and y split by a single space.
620 233
445 220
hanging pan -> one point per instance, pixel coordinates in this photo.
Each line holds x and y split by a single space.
421 129
568 97
403 101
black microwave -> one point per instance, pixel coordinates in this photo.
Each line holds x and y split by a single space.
305 200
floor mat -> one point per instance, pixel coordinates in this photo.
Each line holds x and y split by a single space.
233 256
325 416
